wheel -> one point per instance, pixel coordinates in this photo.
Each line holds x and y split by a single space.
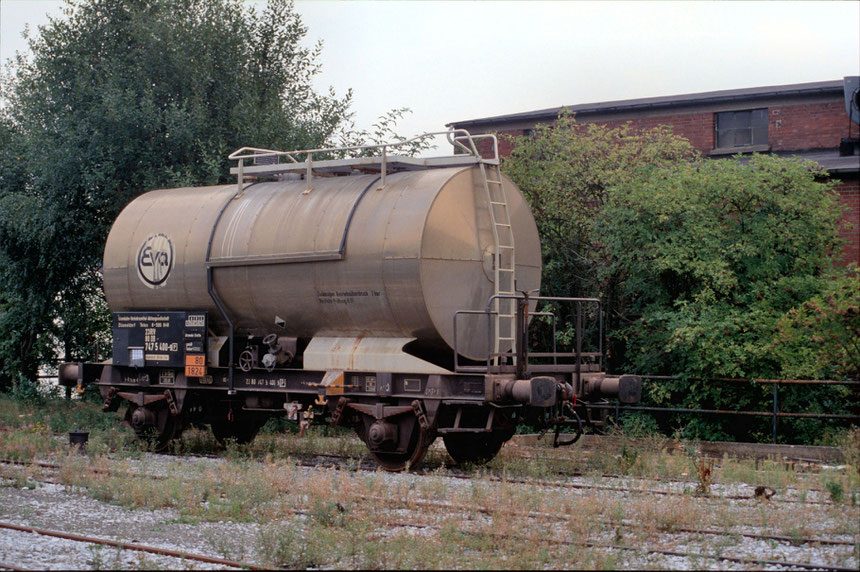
478 448
153 426
270 339
385 441
241 426
247 361
419 442
474 448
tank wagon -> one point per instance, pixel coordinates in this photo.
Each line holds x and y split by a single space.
388 294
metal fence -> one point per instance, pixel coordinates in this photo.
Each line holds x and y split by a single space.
775 413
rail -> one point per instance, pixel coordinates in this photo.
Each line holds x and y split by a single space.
520 353
460 140
775 414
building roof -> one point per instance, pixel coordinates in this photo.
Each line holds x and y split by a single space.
828 160
834 87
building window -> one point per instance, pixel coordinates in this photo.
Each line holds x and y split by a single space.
741 128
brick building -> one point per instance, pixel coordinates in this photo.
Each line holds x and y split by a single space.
809 120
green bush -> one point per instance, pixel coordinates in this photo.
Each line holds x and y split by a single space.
707 269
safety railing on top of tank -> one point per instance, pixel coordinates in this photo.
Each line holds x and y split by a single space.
520 355
459 139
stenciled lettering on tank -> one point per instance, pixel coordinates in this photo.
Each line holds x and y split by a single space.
346 296
155 260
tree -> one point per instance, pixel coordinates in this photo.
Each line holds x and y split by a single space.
707 269
567 172
714 255
820 339
116 98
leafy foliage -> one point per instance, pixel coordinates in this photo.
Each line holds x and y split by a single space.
708 269
384 131
713 255
116 98
567 172
820 339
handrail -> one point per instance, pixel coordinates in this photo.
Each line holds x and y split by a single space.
848 382
457 138
452 135
578 354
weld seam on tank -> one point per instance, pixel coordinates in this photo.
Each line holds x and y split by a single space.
293 257
210 286
342 248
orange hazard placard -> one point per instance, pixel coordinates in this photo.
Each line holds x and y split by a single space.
195 365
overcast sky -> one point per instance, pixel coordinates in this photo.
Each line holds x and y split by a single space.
459 60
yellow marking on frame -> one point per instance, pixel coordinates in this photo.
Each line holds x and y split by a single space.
333 383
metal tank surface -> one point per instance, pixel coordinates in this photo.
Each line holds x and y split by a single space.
347 258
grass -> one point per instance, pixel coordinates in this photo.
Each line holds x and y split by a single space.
358 519
354 531
347 519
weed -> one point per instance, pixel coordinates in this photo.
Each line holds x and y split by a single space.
665 516
849 444
18 480
836 491
703 470
288 545
349 512
144 562
796 534
724 542
26 444
183 519
329 513
617 512
224 546
627 459
96 560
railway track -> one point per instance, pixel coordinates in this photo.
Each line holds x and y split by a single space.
322 460
663 552
341 462
232 564
184 556
438 505
667 542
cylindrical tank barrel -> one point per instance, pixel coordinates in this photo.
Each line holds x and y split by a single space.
343 259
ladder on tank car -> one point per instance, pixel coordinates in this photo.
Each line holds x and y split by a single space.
504 261
269 163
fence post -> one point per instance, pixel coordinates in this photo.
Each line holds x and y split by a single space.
775 408
66 360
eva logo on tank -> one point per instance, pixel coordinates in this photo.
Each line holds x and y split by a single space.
154 260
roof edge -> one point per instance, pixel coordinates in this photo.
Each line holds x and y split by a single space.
702 98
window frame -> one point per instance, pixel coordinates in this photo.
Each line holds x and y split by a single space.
741 130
